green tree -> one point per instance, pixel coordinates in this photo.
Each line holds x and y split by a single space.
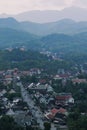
47 126
8 123
77 122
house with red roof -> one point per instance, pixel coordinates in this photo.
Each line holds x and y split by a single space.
79 81
51 115
54 111
64 99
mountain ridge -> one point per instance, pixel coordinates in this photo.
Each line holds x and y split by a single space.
45 16
66 26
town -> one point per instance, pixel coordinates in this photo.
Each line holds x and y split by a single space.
34 97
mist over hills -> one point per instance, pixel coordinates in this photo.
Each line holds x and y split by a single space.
65 26
46 16
75 13
14 38
70 21
64 35
9 23
60 36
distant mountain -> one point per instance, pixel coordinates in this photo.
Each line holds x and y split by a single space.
65 43
46 16
55 36
66 26
9 23
75 13
61 43
4 15
14 38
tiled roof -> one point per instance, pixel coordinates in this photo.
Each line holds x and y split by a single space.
63 97
62 110
54 111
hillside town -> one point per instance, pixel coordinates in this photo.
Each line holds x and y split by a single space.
31 99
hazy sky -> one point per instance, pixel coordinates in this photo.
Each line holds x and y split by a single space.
17 6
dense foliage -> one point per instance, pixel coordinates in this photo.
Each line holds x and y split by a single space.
25 60
77 121
8 123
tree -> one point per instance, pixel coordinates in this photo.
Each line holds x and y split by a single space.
77 122
8 123
47 126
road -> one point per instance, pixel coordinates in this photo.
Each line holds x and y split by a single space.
37 114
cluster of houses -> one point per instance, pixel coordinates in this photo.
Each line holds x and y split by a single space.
54 105
10 95
30 72
11 100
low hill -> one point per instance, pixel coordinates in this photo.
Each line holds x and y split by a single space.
54 42
65 43
25 60
66 26
13 38
9 23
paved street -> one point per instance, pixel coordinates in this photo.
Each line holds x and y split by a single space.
37 114
35 111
